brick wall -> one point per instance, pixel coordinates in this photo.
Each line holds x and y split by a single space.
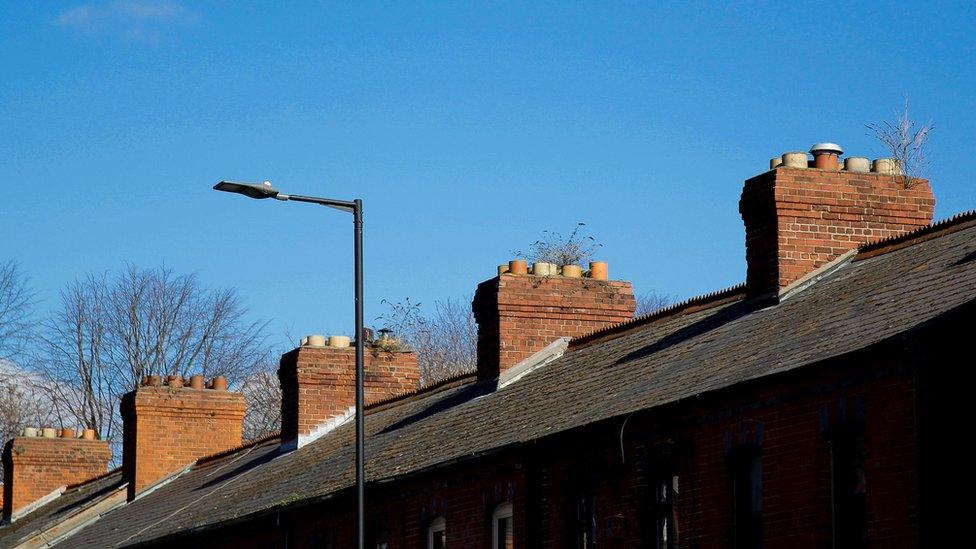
167 428
319 383
800 219
518 315
36 466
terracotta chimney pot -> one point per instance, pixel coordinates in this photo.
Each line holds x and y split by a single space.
598 270
219 383
196 381
825 156
518 267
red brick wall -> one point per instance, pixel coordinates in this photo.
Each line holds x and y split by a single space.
800 219
167 428
520 314
319 383
36 466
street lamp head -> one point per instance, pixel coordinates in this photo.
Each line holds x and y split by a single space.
262 190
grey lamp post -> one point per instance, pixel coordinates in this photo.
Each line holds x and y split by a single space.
355 207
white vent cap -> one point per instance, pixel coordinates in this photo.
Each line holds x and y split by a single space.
826 148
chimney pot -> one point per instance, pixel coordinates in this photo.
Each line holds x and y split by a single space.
196 382
219 383
154 381
88 434
795 159
30 431
775 162
68 433
517 267
888 166
175 382
502 269
598 270
338 341
542 268
49 432
315 340
572 271
825 155
857 164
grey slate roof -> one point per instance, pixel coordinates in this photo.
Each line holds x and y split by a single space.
650 363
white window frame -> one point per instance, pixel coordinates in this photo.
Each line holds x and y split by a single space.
502 511
439 524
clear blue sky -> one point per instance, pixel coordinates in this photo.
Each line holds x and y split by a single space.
466 128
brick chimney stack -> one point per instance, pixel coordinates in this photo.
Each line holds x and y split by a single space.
167 427
34 466
519 314
799 216
318 382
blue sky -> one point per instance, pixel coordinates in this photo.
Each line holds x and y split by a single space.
466 128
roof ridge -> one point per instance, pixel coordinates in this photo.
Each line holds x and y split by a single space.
947 225
670 310
429 388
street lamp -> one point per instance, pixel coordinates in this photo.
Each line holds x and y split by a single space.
355 207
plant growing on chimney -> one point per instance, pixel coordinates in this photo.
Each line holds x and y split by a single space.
575 249
906 141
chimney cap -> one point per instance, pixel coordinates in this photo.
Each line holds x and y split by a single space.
826 148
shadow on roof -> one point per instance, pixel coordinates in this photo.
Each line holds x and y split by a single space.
721 317
463 394
242 464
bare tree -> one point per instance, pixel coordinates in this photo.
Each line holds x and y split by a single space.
15 309
262 393
906 141
574 249
651 301
445 339
109 332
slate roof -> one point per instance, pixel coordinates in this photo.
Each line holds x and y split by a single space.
702 346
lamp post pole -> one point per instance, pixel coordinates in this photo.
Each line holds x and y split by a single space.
360 420
355 207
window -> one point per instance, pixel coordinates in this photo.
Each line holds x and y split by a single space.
436 534
585 523
848 489
502 536
665 513
745 468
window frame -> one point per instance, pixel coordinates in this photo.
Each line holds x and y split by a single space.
502 511
438 524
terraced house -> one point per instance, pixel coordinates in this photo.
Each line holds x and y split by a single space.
799 409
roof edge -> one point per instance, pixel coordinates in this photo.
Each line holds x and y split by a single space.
692 304
446 383
935 229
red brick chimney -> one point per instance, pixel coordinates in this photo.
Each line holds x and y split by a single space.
519 314
799 218
167 427
318 383
35 466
